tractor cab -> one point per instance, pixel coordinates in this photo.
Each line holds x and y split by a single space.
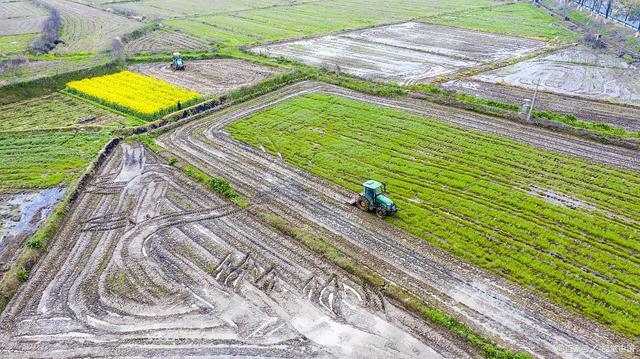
177 63
372 189
373 199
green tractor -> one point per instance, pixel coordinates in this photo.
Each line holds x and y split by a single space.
177 64
373 199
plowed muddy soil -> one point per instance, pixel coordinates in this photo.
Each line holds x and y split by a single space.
209 77
627 117
405 53
504 311
150 264
575 71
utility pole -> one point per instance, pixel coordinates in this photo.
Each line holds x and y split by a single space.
533 102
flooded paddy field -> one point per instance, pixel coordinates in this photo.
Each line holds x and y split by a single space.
405 53
576 71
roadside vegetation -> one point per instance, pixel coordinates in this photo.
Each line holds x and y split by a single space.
597 24
566 228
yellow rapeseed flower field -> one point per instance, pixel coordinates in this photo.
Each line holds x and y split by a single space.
133 93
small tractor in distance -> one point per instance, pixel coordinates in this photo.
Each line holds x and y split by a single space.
177 64
373 199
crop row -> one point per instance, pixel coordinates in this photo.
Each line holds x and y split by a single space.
313 18
132 93
86 29
561 226
56 111
45 160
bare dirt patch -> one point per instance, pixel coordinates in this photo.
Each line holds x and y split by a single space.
209 77
504 311
159 42
405 53
162 267
575 71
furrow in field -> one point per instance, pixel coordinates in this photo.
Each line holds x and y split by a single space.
500 308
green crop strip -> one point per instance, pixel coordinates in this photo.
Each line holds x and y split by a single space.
566 228
45 160
12 44
314 18
59 111
520 19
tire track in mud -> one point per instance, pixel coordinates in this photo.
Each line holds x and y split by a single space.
147 264
209 77
484 301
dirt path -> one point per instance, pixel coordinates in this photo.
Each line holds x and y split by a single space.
148 264
485 302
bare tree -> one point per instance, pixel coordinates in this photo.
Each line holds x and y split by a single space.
48 39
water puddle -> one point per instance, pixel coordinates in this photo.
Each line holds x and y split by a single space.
558 199
22 214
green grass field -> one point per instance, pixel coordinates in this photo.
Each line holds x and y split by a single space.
478 196
14 44
45 160
313 18
58 111
520 19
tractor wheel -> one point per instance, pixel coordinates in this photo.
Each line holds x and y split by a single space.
381 212
363 203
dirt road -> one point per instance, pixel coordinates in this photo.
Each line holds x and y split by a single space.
487 303
149 264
